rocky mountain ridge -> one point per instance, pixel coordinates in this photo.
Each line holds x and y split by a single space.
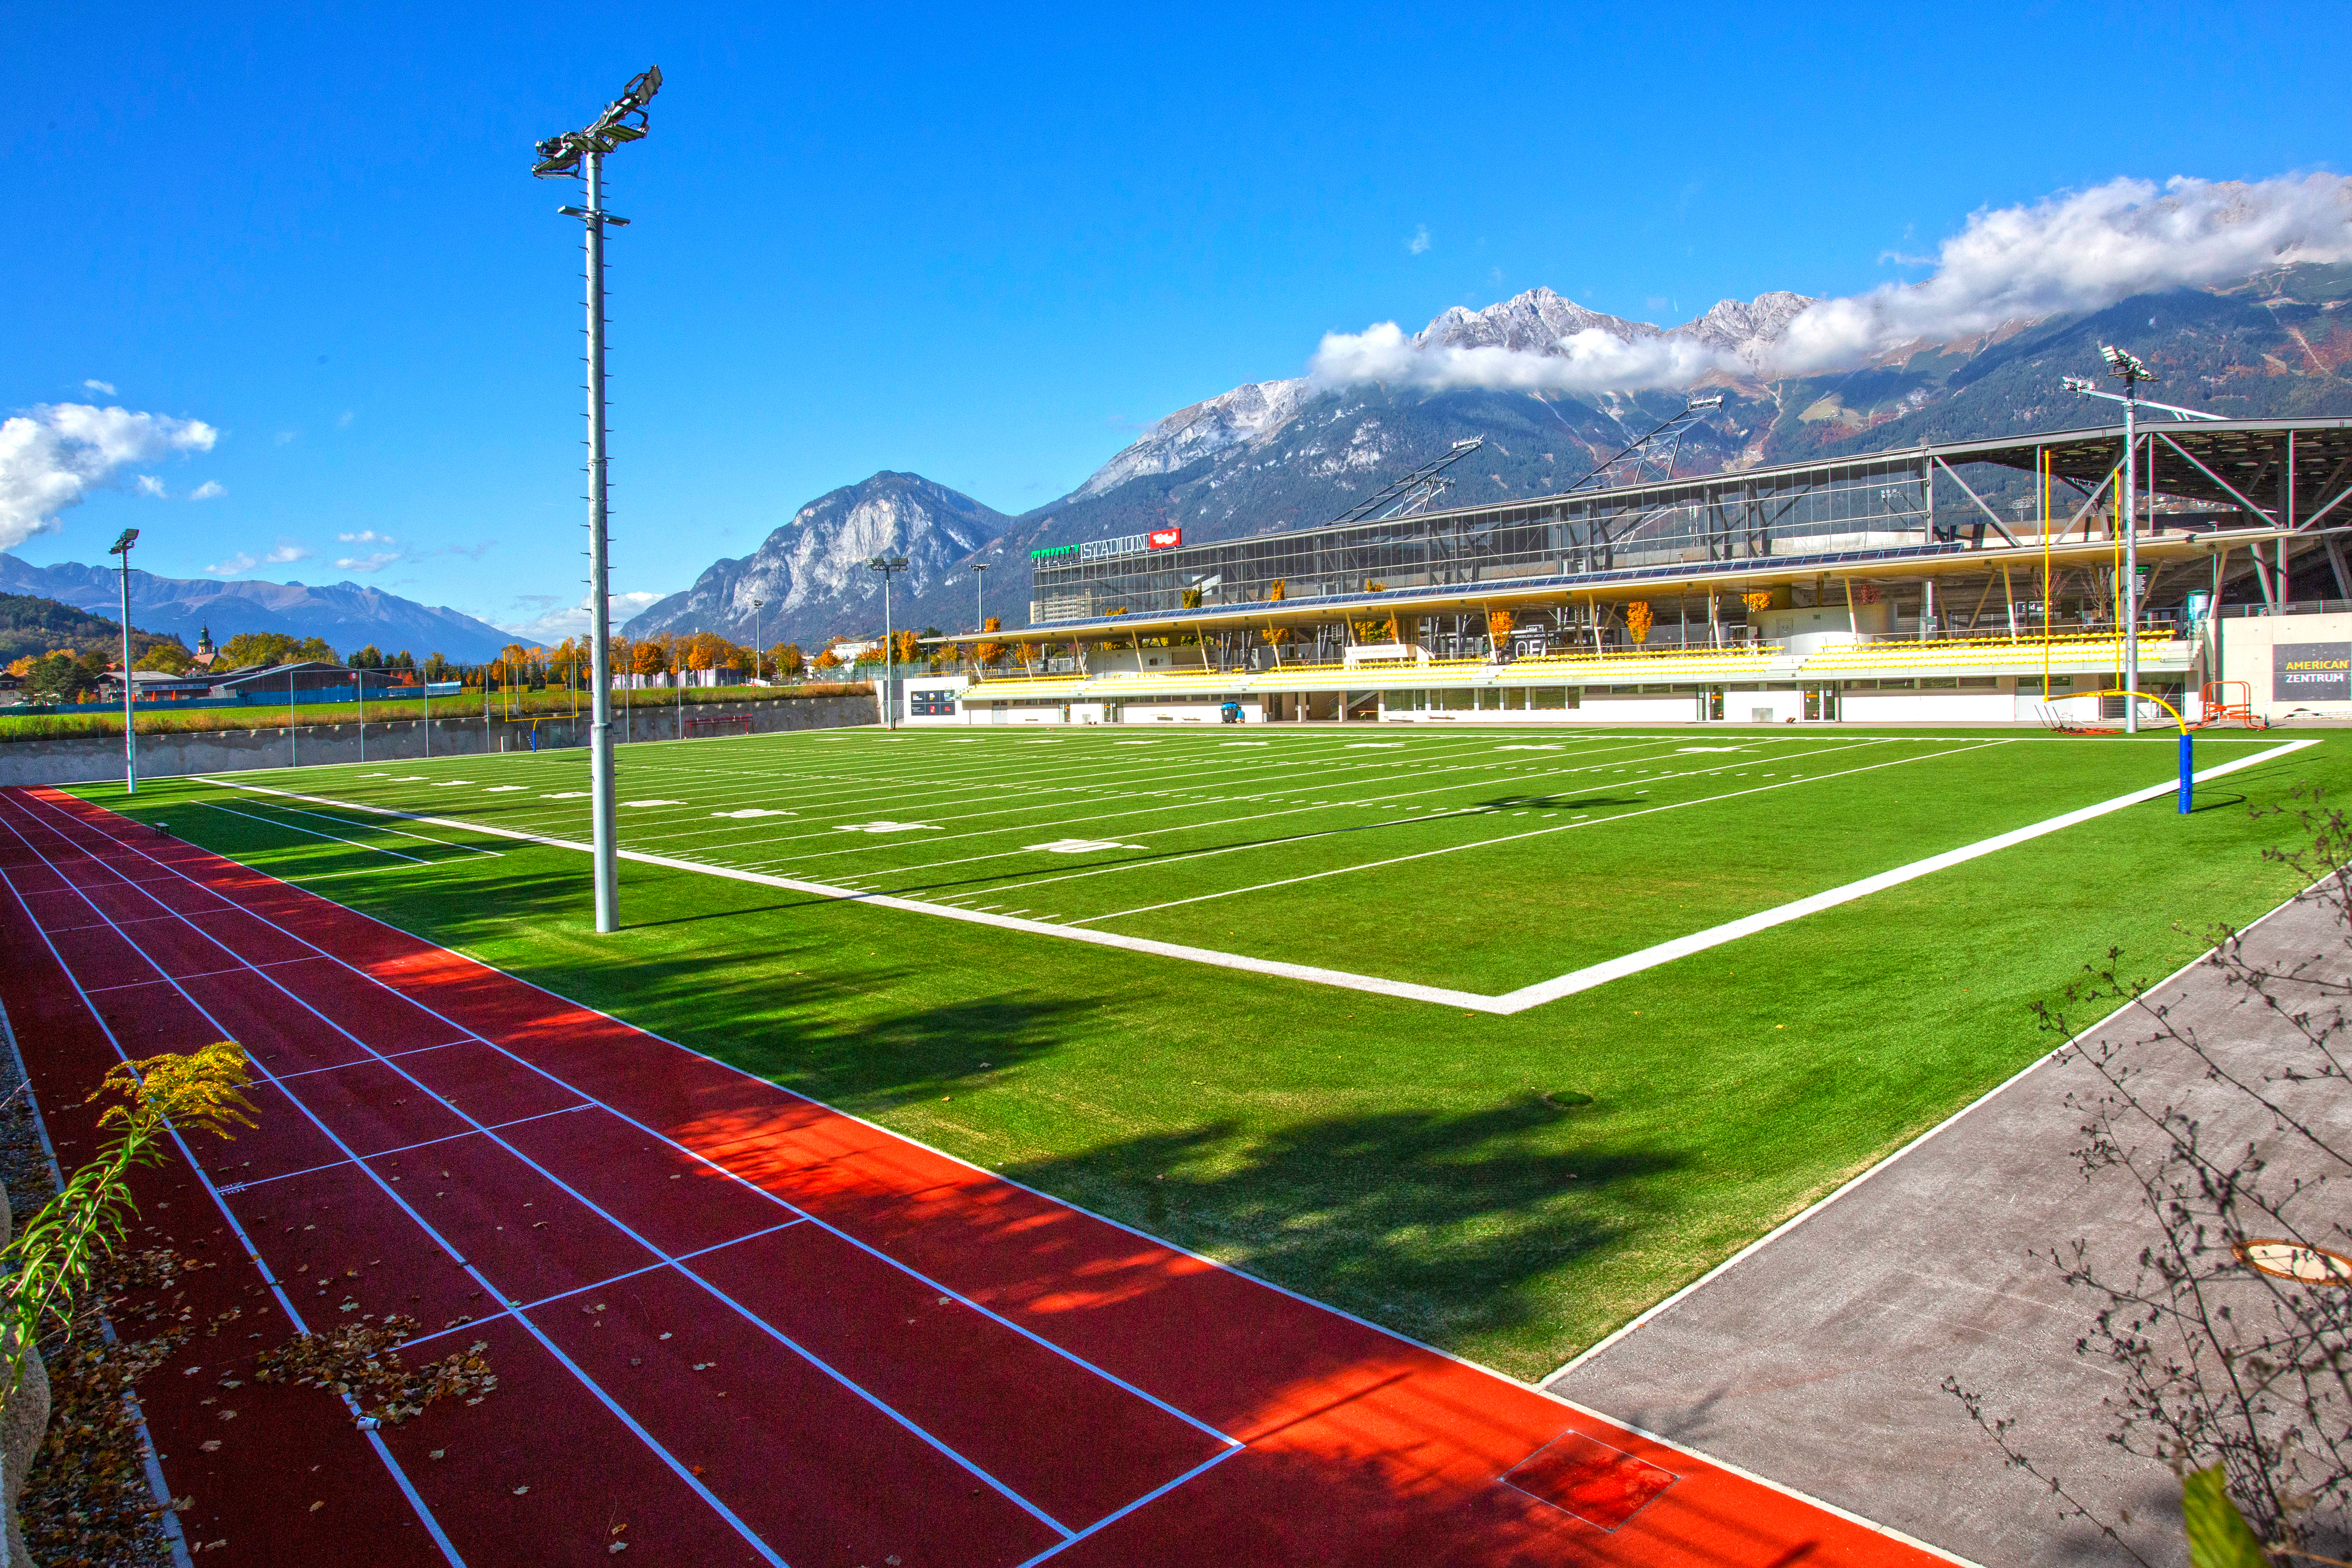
346 615
810 574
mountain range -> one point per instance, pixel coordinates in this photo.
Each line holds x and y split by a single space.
1268 456
347 614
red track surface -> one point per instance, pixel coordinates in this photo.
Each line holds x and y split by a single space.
743 1327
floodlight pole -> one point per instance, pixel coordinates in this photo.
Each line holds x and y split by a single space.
888 566
600 811
2131 555
129 723
755 638
581 152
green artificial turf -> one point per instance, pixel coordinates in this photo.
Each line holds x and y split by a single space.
1510 1188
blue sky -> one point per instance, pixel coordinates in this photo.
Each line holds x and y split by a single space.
982 246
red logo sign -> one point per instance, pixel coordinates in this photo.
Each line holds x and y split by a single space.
1163 539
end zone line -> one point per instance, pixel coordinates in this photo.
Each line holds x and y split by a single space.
1509 1003
1732 931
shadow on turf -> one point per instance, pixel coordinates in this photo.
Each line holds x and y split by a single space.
1432 1222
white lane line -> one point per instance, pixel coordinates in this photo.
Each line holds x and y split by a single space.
1511 1002
297 827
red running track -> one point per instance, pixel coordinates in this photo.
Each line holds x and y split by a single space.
728 1324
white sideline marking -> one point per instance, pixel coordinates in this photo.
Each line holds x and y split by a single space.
887 826
1512 1002
756 811
1081 846
654 803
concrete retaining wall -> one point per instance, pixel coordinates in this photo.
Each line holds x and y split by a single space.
237 751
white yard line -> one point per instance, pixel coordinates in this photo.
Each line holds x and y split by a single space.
1513 1002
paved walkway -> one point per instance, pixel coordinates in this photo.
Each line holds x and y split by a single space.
1816 1360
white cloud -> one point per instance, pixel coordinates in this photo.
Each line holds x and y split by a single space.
367 536
375 563
552 624
211 489
2081 250
1589 360
1420 241
103 388
52 457
284 553
149 485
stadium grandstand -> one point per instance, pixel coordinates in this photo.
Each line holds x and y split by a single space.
1977 582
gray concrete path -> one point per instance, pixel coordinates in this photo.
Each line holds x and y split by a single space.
1815 1360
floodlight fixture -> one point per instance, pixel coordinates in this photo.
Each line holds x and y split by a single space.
1712 400
624 120
2079 384
122 545
2124 365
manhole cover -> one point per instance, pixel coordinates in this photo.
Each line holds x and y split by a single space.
1597 1483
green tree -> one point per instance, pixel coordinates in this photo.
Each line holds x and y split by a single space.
168 657
53 678
368 658
786 659
247 650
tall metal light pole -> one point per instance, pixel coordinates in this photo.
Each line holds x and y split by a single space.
979 608
2128 368
755 638
581 154
121 549
889 567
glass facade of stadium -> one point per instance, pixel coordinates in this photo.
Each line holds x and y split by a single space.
1877 503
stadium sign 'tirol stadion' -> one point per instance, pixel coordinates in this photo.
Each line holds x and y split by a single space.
1125 544
2310 672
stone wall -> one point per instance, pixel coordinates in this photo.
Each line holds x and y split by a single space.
84 759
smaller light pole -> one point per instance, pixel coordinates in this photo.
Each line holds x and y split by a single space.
2128 368
121 549
755 639
978 607
888 566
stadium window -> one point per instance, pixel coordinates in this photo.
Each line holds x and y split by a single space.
1862 686
1896 685
1550 698
1457 702
1980 682
1937 683
2061 683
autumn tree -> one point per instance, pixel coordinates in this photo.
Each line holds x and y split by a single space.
787 660
828 659
167 656
1638 620
988 653
1499 629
